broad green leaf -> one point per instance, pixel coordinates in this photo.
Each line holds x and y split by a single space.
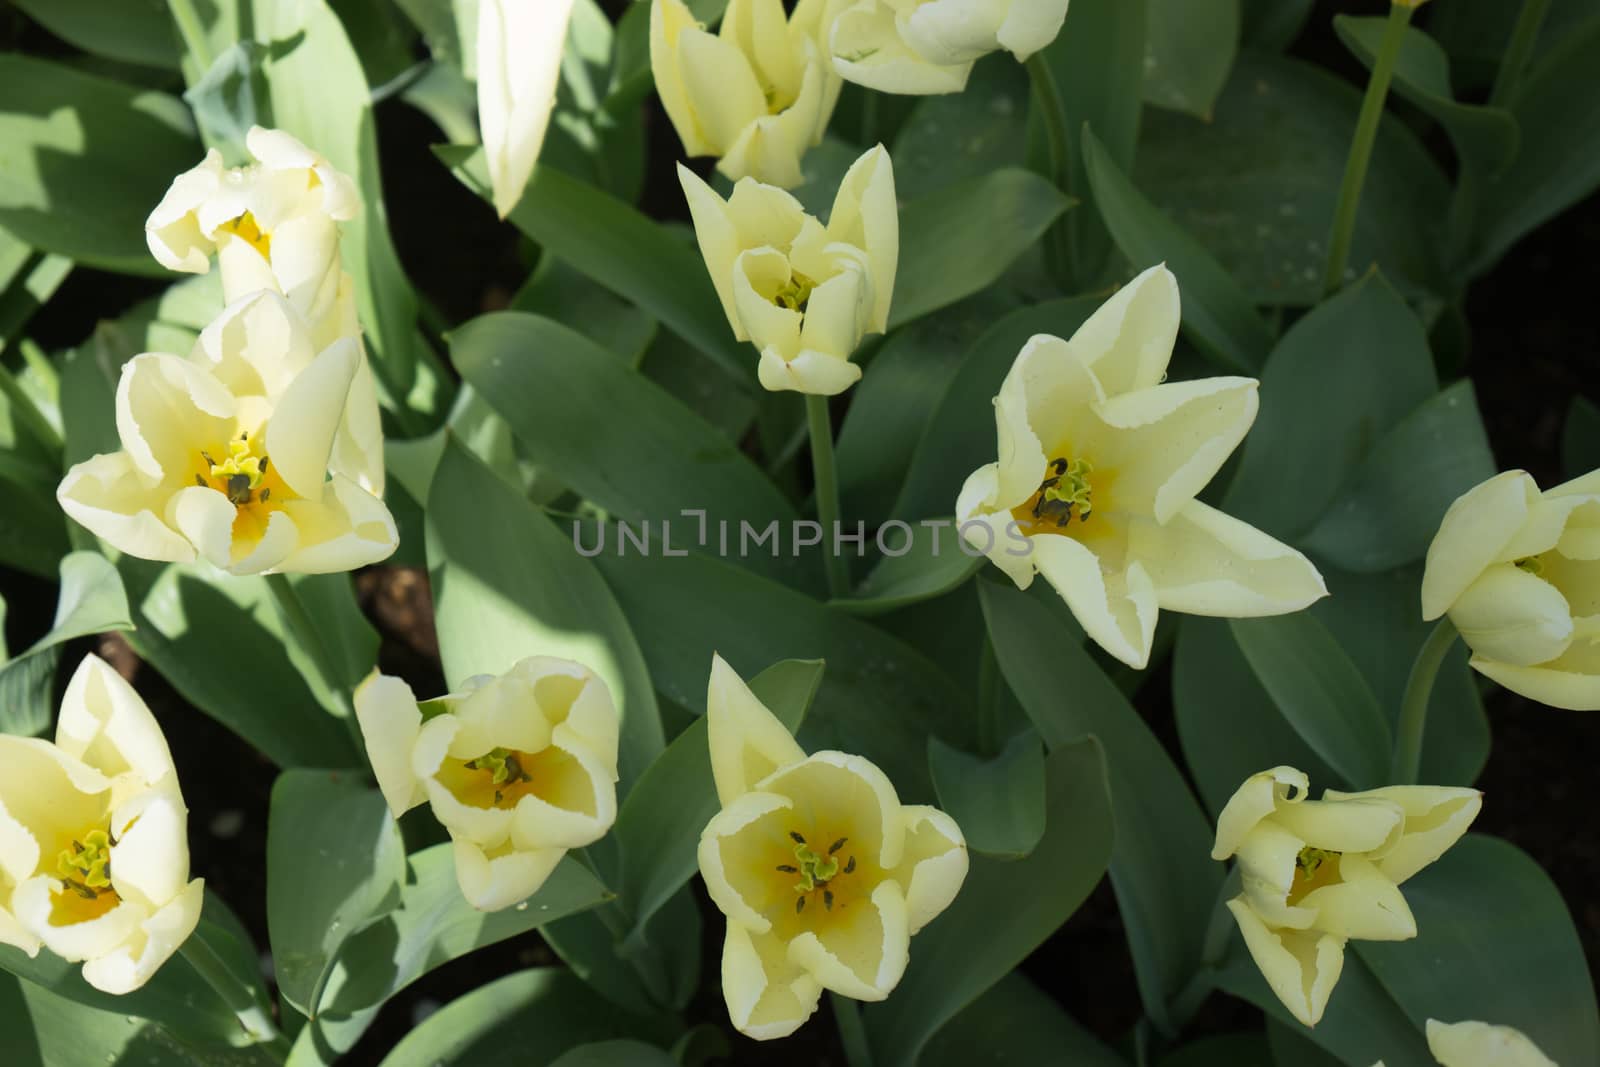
1219 1050
541 1013
1272 25
27 693
349 643
1290 1049
1220 316
432 925
132 31
639 260
1485 138
1004 910
958 239
1338 381
658 827
335 862
221 645
956 136
911 570
71 137
1389 510
507 584
33 532
230 98
1580 437
1165 880
879 698
998 803
1015 1024
557 291
1257 184
1188 51
622 1053
614 436
699 382
1320 692
1495 942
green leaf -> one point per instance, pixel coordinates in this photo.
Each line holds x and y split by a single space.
1580 437
1345 374
1004 910
879 699
956 136
541 1013
960 238
1510 952
1165 880
917 573
335 862
1320 692
658 827
1015 1024
557 291
1485 138
998 803
1221 317
613 435
348 641
639 260
230 98
432 925
507 584
615 1054
33 532
1389 510
1257 185
27 694
70 137
1188 51
132 31
1273 25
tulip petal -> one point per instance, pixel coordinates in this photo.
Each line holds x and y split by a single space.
1029 27
1364 904
346 528
1259 796
579 703
846 795
1302 967
573 804
1267 859
867 49
860 950
390 722
45 796
1005 546
1057 392
306 418
1570 681
1128 340
837 314
1205 562
150 861
107 496
767 996
172 231
74 942
951 32
205 518
1475 1044
519 67
758 275
168 409
669 20
934 865
721 87
738 854
257 345
1117 610
809 372
719 237
866 215
770 147
1354 824
1435 819
498 881
747 742
1513 617
500 714
137 960
1471 536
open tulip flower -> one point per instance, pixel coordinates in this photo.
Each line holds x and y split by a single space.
801 292
519 768
1099 464
229 456
756 94
1316 873
1518 572
823 874
94 849
272 225
929 46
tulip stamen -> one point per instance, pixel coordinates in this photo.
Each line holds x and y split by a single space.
249 231
85 868
1314 868
796 293
1532 564
239 476
816 870
1066 488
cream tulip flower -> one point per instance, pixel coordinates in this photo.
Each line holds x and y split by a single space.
1475 1044
1100 461
803 293
519 768
228 456
519 67
94 850
928 46
1317 873
1518 572
756 94
823 874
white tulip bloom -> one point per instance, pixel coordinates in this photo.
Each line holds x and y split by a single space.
229 456
823 874
94 851
1100 461
801 292
1518 572
928 46
1316 873
519 768
1475 1044
519 67
756 94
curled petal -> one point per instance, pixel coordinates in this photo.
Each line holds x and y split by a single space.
1571 681
810 371
934 865
33 903
768 996
737 852
669 21
150 861
1514 617
107 496
861 950
1363 904
866 215
1472 535
1029 27
1117 611
1259 796
868 49
502 877
105 723
390 722
1301 966
573 803
173 232
1435 819
1475 1044
746 740
136 960
346 528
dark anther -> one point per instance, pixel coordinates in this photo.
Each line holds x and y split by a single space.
800 905
797 838
201 482
827 899
850 865
787 869
837 845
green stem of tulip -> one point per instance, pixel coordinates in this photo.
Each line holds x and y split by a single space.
1355 168
300 629
820 426
852 1034
256 1020
1414 705
1046 92
1518 51
193 33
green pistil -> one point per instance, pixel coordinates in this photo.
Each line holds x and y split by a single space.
86 866
1065 492
815 870
503 765
796 294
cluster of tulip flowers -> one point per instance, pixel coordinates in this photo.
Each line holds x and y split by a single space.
261 452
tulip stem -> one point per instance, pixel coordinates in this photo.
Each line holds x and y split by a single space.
1518 51
820 427
1046 92
300 629
852 1034
193 33
1414 705
253 1017
1355 167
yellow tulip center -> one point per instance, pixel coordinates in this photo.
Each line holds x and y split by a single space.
501 777
249 231
1066 493
815 871
1532 564
1314 868
85 873
242 474
796 294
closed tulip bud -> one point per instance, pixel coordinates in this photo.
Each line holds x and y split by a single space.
1100 463
94 850
929 46
519 67
1518 573
756 94
803 293
518 768
823 874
